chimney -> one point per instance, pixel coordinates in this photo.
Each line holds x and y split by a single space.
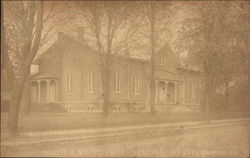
80 33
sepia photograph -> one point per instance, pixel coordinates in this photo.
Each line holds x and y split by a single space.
114 78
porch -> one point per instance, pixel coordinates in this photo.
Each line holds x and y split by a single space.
169 92
44 90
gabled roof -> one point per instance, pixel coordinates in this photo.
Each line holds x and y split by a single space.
171 57
45 53
74 39
174 61
189 70
166 49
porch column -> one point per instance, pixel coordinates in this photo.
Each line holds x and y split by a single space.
55 91
148 96
183 93
47 85
166 84
157 92
175 92
38 91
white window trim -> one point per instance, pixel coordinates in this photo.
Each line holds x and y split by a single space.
162 61
69 83
184 92
192 89
117 82
90 108
90 82
136 84
179 94
117 108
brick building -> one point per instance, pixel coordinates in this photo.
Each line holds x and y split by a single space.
69 76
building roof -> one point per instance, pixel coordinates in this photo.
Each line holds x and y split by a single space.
189 69
171 56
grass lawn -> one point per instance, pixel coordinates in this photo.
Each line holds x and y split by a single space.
64 121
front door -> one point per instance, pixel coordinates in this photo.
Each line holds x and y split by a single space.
162 92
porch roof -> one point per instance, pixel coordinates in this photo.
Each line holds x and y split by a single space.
44 75
167 75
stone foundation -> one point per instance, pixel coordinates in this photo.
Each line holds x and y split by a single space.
97 106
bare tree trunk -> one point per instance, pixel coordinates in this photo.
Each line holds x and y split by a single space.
106 90
226 103
14 111
152 42
208 102
27 108
248 85
207 99
106 105
207 90
152 96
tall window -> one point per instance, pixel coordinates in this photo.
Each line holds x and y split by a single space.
162 61
184 92
196 88
179 87
69 83
90 82
82 83
117 82
192 89
136 83
198 91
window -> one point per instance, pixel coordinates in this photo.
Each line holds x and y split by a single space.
68 55
117 82
196 88
69 83
117 108
82 83
192 88
162 61
90 108
179 87
184 92
136 83
90 82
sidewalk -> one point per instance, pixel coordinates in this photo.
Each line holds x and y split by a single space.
91 134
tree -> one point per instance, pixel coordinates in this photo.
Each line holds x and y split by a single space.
110 25
241 32
16 63
157 32
209 35
23 35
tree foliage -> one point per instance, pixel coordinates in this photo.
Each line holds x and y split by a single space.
26 26
213 37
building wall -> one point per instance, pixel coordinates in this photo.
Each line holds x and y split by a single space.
77 61
81 98
51 66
